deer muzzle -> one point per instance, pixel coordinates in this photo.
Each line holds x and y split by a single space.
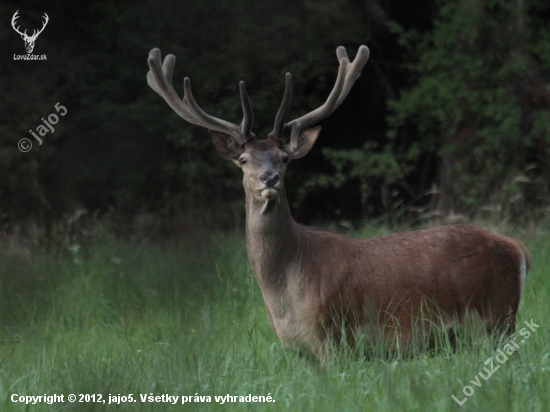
269 193
272 182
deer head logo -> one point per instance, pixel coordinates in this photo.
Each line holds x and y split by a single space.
29 40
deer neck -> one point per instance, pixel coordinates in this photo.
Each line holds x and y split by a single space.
272 240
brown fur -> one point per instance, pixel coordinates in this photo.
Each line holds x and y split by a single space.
318 284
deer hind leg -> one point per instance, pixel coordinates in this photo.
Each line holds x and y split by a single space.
504 303
510 319
501 325
506 325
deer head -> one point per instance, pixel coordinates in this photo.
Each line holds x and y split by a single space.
29 40
263 161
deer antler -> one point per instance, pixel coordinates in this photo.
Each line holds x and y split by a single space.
35 32
15 17
160 80
347 75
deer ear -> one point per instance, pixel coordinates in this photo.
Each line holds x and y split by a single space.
226 146
306 140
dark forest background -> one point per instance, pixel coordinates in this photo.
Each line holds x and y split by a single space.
450 118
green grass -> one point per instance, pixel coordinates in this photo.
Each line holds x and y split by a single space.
187 317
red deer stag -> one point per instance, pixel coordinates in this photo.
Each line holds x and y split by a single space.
316 284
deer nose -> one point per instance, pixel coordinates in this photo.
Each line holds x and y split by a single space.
270 180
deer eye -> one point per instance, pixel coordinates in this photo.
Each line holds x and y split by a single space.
285 159
243 160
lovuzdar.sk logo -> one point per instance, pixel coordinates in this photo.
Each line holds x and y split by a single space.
29 40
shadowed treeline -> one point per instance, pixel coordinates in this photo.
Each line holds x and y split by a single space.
449 118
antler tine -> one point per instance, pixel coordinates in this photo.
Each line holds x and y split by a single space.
341 53
168 67
204 119
13 22
347 75
330 105
282 113
160 80
354 70
37 32
248 115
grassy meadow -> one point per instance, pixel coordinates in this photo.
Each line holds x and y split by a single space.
185 317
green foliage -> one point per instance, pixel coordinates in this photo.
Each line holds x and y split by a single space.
474 99
368 166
